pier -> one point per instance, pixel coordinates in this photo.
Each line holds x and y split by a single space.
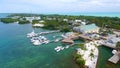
42 33
114 59
85 37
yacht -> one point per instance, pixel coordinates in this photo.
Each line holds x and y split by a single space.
32 34
37 42
58 48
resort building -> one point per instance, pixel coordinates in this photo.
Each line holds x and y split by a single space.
65 20
111 41
78 20
91 28
32 18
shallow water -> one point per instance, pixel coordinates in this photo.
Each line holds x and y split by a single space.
16 50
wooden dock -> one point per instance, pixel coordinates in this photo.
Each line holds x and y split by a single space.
114 59
108 45
85 37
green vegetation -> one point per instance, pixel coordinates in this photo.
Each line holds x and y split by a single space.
81 46
8 20
57 25
118 44
79 60
35 21
106 32
91 55
24 22
57 22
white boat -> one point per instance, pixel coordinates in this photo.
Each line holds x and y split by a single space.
63 36
37 42
46 42
67 46
58 48
56 40
62 48
32 34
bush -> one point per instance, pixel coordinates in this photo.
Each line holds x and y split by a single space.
80 61
118 44
81 46
24 22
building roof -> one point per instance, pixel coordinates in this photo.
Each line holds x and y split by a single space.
88 27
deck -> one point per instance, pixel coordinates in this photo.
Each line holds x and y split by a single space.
114 59
85 37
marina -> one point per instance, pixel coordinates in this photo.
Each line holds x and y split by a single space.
55 44
37 39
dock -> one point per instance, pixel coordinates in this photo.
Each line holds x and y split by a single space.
67 40
108 45
42 33
114 59
85 37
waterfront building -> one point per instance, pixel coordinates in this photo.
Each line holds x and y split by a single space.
111 41
91 28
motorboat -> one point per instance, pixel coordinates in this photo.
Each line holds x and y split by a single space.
57 40
37 42
67 46
32 34
58 48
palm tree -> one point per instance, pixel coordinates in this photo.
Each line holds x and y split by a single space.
91 55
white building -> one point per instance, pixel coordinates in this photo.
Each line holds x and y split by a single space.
91 28
32 18
65 20
78 20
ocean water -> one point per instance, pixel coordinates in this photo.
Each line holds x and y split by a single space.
16 50
102 14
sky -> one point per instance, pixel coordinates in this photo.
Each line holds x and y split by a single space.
58 6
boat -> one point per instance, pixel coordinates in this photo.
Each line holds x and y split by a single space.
58 48
32 34
46 42
64 36
67 46
62 48
56 40
37 42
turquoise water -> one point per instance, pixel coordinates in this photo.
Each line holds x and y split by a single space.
16 51
104 54
102 14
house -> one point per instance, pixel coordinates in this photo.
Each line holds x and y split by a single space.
37 18
15 17
78 20
91 28
29 18
66 20
32 18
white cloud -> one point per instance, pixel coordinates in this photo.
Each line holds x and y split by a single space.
60 5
